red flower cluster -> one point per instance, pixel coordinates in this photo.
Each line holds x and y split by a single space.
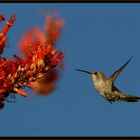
38 69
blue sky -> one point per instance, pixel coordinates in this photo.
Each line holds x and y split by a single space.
95 37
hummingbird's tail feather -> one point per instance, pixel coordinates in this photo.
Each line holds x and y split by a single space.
129 98
119 96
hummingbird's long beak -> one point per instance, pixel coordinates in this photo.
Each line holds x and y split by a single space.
84 71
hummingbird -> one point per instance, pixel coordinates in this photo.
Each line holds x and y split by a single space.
106 88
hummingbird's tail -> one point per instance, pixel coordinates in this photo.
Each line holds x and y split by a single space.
129 98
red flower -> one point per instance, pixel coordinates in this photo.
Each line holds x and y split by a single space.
36 69
2 17
46 84
53 27
3 33
43 42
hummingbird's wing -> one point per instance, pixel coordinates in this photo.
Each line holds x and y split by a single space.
114 88
116 73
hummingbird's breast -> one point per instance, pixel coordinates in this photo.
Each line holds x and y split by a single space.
102 85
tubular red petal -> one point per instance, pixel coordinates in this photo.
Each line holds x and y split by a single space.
20 92
8 25
2 42
2 17
53 52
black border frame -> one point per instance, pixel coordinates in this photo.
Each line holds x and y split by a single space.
70 137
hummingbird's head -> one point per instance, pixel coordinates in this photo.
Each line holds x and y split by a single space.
98 76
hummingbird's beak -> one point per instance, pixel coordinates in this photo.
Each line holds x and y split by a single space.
84 71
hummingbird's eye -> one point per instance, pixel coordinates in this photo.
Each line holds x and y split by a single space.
95 73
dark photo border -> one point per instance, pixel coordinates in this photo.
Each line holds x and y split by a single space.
70 137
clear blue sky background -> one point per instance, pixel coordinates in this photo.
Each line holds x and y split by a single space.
95 37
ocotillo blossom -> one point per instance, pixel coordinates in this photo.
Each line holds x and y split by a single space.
50 35
40 60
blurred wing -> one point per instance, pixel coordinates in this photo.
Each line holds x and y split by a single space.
116 73
115 88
